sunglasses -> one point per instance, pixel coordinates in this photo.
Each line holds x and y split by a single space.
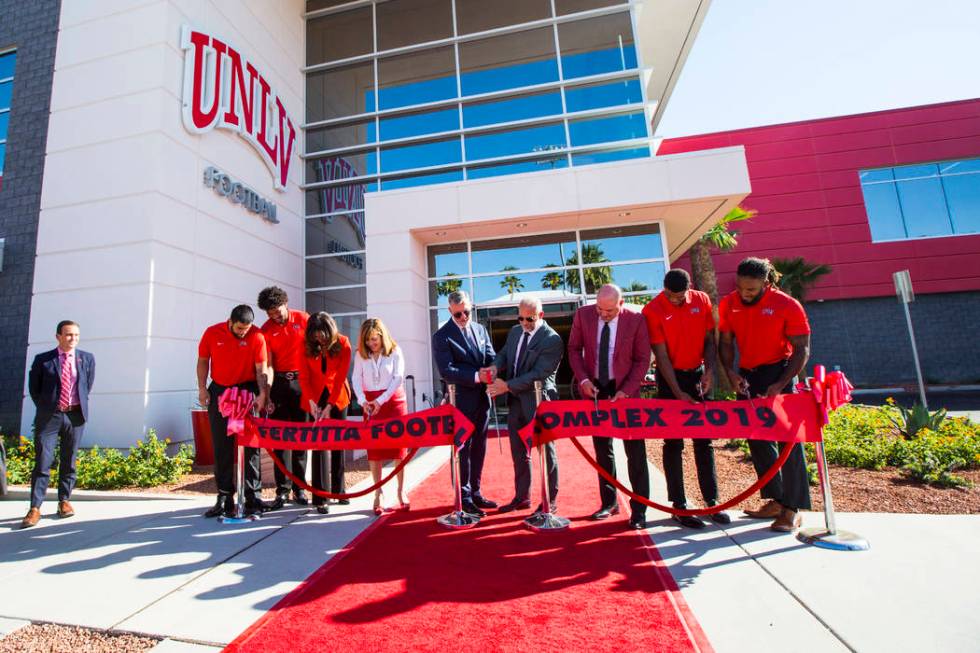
459 314
521 318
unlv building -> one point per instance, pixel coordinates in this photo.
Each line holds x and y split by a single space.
164 160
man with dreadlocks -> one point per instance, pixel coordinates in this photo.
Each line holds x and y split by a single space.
772 334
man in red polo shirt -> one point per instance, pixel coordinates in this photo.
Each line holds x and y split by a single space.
682 335
772 333
234 351
285 337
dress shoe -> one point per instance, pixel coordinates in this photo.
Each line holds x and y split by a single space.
691 521
722 518
484 503
31 519
256 506
638 522
788 521
223 506
604 513
515 504
279 501
299 498
470 508
343 502
323 509
65 509
769 510
554 508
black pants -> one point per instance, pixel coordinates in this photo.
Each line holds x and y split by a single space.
224 448
61 428
473 453
285 395
704 455
636 463
790 486
516 420
336 471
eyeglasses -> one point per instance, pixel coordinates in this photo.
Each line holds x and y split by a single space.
459 314
521 318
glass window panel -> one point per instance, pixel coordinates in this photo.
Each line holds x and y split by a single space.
313 5
508 61
422 180
501 289
515 108
523 253
608 129
346 197
564 7
416 78
355 133
473 16
339 36
629 242
3 154
418 124
959 167
515 141
597 45
341 270
406 22
963 197
421 155
445 260
636 277
884 174
536 165
916 171
335 233
4 124
439 291
605 156
341 167
595 96
6 90
924 207
7 65
346 300
884 211
340 92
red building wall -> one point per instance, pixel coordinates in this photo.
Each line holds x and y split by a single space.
806 189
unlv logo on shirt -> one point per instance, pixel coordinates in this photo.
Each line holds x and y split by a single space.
222 89
767 311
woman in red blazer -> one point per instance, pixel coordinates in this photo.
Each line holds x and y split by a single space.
326 393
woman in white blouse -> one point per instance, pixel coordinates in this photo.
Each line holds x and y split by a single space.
379 371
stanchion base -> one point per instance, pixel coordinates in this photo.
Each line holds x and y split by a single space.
459 520
244 519
546 521
839 541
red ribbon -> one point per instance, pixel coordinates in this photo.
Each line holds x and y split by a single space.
236 404
829 390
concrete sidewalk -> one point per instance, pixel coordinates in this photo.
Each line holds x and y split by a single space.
154 566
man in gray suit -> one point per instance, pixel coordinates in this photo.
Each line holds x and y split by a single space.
532 353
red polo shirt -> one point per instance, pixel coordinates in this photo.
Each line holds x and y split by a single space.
286 342
762 330
233 359
682 328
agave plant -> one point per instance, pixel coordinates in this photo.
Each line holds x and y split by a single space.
912 420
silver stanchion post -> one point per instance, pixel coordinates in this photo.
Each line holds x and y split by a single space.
457 519
239 516
829 537
545 520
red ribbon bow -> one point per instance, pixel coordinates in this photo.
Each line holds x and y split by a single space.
830 390
236 405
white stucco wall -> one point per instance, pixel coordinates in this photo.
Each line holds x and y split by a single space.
130 243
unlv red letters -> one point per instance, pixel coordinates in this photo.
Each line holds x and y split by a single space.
223 89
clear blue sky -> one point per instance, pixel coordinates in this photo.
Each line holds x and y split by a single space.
762 62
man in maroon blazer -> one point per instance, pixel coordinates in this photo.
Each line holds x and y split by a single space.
609 351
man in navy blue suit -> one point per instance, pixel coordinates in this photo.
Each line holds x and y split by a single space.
461 348
59 383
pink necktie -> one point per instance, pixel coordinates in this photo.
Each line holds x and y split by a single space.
64 399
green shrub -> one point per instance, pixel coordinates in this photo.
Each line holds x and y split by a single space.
912 420
145 465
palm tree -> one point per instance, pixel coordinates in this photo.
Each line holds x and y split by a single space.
722 238
798 275
553 280
595 277
511 282
636 286
448 286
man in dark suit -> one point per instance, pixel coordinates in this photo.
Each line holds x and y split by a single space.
59 383
609 352
462 347
532 353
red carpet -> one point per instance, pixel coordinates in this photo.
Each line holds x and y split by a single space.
406 584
